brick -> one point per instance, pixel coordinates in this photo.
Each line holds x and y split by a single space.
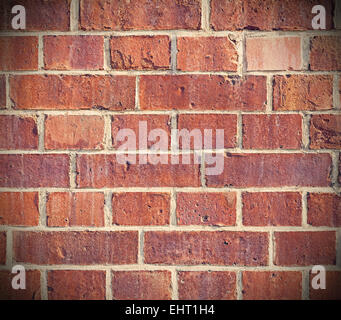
339 168
65 209
272 285
272 208
325 131
31 292
226 122
216 285
2 92
141 285
134 121
140 53
324 209
18 133
218 209
2 248
73 52
214 248
75 247
305 248
278 53
332 290
34 170
273 170
140 15
275 131
99 171
325 53
74 132
153 208
267 14
76 285
303 92
206 54
41 15
73 92
202 92
19 208
18 53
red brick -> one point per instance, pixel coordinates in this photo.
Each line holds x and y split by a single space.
75 247
73 92
73 52
34 170
216 285
65 209
273 170
305 248
279 53
41 15
265 131
272 209
99 171
140 52
2 92
339 168
325 53
76 285
74 132
324 209
2 247
32 291
206 54
303 92
19 208
217 209
325 131
18 53
18 133
141 285
153 208
333 287
267 14
216 248
227 122
272 285
132 122
139 15
202 92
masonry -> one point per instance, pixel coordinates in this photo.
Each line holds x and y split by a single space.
86 227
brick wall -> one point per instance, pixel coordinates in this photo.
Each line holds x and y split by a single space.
87 227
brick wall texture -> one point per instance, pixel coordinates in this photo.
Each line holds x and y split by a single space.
86 226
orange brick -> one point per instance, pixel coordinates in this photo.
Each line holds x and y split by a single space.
325 131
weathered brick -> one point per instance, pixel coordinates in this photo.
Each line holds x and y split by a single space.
153 208
272 285
2 92
217 209
217 248
140 52
74 132
75 209
324 209
72 92
76 285
202 92
272 208
34 170
2 247
332 290
303 92
265 131
73 52
305 248
206 54
141 285
18 132
216 285
19 208
18 53
75 247
139 15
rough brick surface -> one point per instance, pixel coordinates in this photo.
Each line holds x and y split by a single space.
3 247
2 92
332 290
325 131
